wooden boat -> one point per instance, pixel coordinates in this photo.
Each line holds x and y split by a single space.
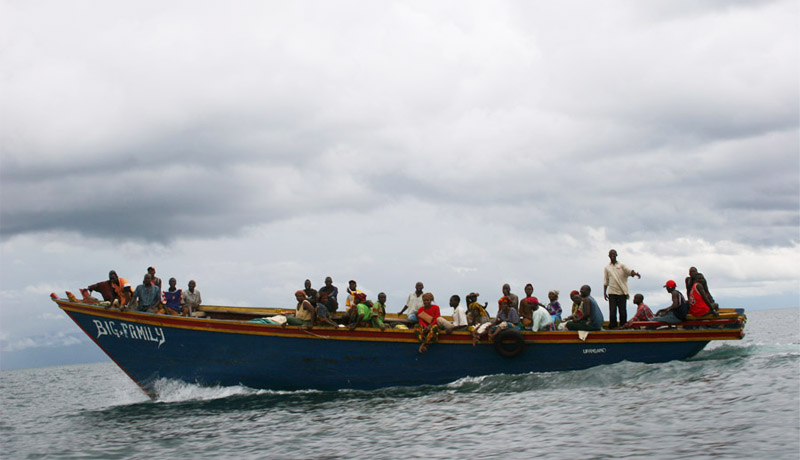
225 348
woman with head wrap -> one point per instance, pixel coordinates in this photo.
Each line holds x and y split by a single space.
305 314
577 307
427 330
507 317
362 314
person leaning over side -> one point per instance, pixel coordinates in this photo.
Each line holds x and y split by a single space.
615 289
115 290
591 315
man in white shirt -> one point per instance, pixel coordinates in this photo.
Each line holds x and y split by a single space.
541 318
615 289
414 302
459 316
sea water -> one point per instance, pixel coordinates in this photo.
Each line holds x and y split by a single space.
738 399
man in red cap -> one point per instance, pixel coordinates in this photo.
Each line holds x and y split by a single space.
676 312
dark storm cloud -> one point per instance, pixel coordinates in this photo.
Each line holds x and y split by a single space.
672 124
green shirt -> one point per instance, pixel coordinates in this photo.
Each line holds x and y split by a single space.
364 310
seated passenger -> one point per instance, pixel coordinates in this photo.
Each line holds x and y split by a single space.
379 309
147 296
427 330
477 317
643 312
542 320
676 312
311 294
323 314
700 303
449 326
305 314
361 313
696 277
577 302
327 301
172 298
459 313
414 301
507 316
554 307
526 312
332 292
591 317
191 299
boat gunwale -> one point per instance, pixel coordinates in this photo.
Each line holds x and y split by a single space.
234 326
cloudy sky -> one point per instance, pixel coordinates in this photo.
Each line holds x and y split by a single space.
252 145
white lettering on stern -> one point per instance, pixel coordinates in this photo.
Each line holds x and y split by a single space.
593 350
130 331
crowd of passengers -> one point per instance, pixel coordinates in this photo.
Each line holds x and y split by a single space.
148 297
321 307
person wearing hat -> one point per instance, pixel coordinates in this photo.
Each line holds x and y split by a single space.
676 312
541 318
361 313
156 280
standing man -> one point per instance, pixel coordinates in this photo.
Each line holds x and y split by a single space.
615 289
414 302
156 280
512 297
329 292
352 290
311 294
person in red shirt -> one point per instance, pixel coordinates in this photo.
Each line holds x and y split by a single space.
699 300
428 316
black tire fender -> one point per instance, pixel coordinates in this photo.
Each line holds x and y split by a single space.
509 343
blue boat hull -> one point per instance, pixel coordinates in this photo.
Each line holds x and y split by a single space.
217 352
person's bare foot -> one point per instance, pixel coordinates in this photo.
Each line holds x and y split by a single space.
423 348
